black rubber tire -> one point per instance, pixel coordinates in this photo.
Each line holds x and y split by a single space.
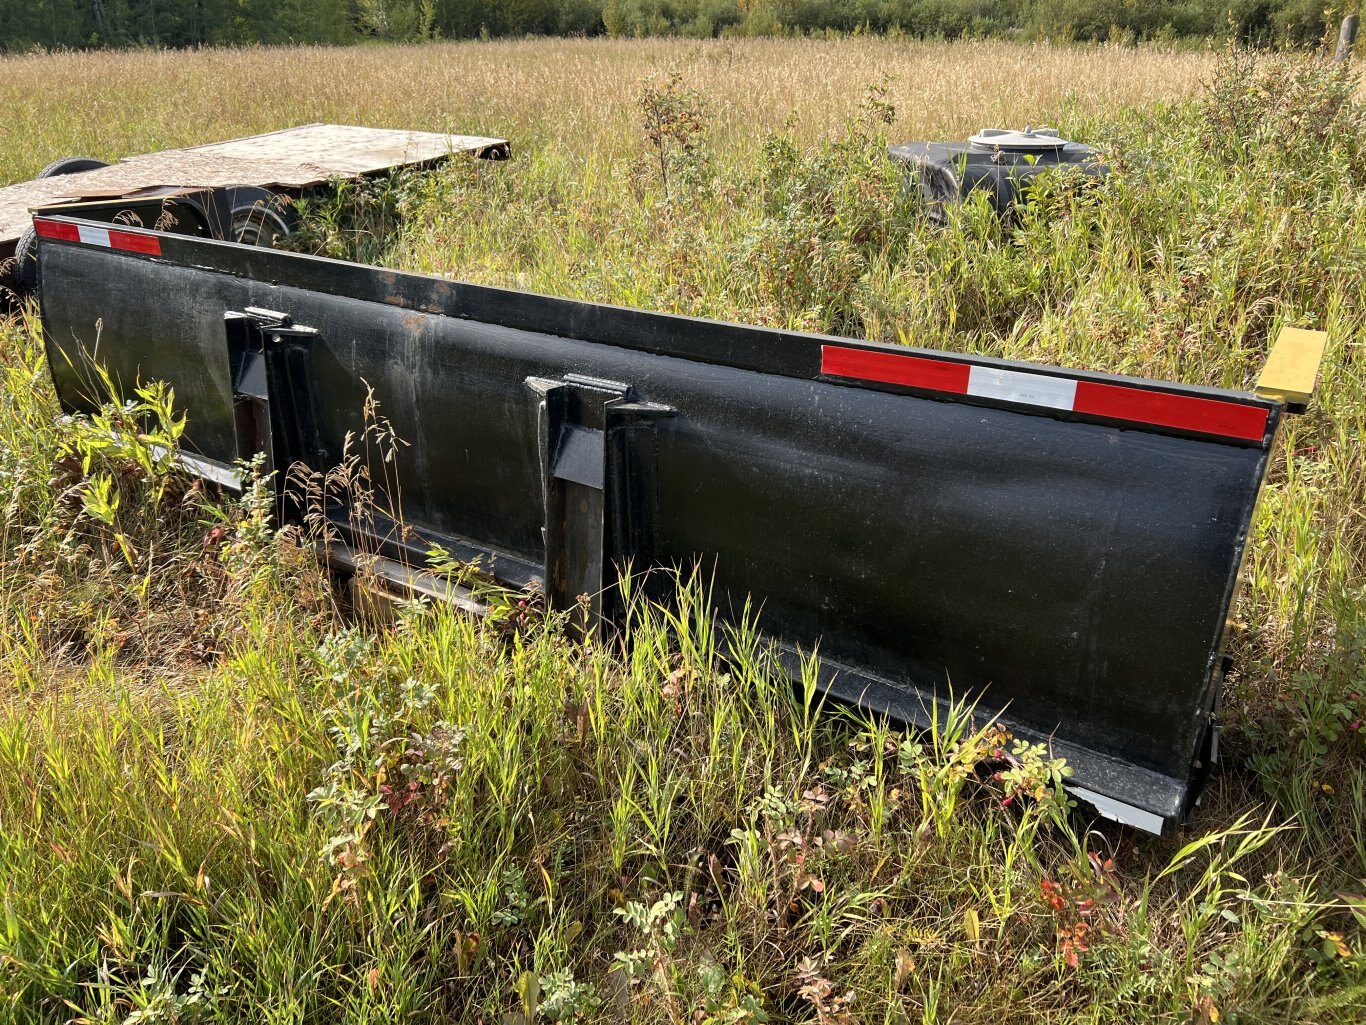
71 165
258 226
24 276
259 217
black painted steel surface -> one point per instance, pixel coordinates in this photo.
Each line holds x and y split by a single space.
1072 570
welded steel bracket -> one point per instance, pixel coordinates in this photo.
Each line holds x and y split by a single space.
594 486
272 391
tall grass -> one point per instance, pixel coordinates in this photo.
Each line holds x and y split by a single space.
224 799
572 95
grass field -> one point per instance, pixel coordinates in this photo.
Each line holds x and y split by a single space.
222 799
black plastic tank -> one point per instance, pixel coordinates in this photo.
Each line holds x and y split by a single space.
999 162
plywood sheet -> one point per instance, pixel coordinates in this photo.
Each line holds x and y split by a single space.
291 158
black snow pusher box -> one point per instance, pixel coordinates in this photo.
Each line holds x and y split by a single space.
1061 545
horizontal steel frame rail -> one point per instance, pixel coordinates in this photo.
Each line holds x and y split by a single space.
1062 546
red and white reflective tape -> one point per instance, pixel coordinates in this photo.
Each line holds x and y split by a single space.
1092 398
96 235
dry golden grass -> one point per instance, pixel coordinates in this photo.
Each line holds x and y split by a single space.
575 94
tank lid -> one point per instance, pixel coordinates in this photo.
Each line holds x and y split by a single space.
1010 139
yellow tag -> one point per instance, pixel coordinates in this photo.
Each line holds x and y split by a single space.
1292 367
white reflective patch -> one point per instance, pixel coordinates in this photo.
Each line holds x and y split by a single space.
1117 811
93 236
1013 386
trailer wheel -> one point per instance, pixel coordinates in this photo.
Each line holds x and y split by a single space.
71 165
24 276
259 217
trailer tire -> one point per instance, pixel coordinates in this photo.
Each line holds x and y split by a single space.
71 165
24 276
259 217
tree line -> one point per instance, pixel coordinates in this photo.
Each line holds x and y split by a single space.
85 24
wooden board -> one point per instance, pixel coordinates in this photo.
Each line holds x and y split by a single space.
292 158
1292 367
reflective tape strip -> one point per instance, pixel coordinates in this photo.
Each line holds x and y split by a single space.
1210 416
1091 398
893 368
93 236
54 229
97 235
1013 386
135 242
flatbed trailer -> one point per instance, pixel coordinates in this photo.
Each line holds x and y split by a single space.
226 189
1061 546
